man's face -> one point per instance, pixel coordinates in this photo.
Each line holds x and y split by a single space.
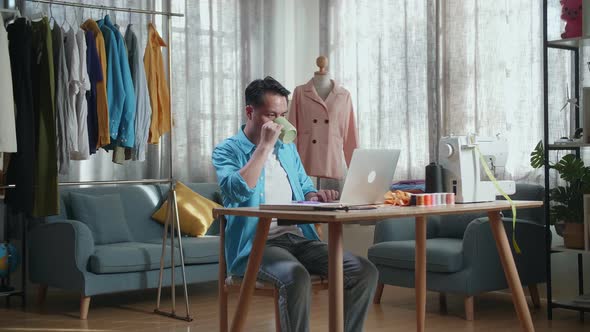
274 106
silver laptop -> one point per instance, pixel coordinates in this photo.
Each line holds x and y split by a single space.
369 177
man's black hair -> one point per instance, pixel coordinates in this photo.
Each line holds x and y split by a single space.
256 90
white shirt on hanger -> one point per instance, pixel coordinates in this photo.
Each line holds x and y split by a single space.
7 119
73 83
80 103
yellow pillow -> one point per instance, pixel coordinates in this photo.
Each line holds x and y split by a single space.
194 211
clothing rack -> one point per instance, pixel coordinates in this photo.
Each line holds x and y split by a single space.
10 11
117 9
172 218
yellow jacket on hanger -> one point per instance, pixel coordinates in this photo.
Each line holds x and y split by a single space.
157 86
102 107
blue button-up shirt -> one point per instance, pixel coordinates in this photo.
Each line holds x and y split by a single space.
228 158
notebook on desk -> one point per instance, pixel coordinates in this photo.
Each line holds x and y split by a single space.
369 177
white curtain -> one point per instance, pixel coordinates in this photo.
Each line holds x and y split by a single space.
206 83
485 78
492 74
217 49
381 51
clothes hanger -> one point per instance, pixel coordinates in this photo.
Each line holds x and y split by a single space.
39 15
15 14
51 15
63 24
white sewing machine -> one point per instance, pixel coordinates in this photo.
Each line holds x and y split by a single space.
462 167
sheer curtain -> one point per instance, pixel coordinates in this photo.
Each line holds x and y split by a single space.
381 51
217 49
492 74
418 70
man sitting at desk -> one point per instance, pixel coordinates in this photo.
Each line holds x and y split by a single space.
254 167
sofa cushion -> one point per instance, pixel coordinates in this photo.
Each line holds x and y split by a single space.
442 254
195 213
197 250
129 257
103 214
145 256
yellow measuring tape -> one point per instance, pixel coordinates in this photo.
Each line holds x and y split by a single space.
491 176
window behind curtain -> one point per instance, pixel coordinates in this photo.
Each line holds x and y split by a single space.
378 50
206 92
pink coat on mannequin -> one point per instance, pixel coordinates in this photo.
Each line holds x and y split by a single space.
325 129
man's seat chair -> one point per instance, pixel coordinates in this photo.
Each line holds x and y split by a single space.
229 284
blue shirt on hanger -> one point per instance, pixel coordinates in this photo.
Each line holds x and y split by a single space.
126 134
115 87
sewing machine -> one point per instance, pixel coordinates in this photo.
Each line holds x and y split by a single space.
462 169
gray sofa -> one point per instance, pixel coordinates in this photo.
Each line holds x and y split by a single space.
97 254
461 255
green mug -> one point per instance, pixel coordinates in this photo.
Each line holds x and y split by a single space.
288 133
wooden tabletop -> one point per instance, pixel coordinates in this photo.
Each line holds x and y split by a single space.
384 212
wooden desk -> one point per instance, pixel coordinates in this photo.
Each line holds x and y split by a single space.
335 220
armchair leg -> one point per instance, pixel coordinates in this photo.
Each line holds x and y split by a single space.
277 312
84 305
469 310
378 293
534 291
442 303
41 294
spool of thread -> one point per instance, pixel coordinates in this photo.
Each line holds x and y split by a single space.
450 198
427 199
443 198
420 200
434 178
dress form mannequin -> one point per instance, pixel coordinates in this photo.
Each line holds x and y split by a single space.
321 78
323 114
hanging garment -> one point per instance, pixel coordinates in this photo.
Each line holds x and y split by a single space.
102 106
325 129
157 85
7 122
62 105
79 74
143 109
72 57
21 170
42 76
95 76
126 134
115 88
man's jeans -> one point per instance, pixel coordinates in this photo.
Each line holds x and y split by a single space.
288 261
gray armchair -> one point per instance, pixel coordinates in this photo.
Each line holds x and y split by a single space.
461 254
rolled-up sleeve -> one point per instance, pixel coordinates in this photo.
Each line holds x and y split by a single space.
227 166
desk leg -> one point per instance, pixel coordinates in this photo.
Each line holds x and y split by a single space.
420 273
335 277
510 271
249 281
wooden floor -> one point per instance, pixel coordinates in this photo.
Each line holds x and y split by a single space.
134 312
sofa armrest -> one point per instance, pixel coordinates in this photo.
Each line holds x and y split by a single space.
481 255
59 253
402 229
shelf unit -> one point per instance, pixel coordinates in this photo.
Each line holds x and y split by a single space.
22 291
562 248
572 45
567 146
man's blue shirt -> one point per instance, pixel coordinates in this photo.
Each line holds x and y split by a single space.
228 158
